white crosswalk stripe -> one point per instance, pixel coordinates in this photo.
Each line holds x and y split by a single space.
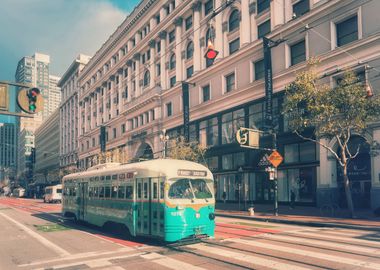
301 252
252 260
320 243
336 238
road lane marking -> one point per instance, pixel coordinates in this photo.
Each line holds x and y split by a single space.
175 264
322 243
252 260
96 261
301 252
77 256
41 239
329 237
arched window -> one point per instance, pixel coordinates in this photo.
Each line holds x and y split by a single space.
234 21
146 78
172 62
190 50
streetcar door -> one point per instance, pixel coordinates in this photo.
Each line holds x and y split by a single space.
154 207
82 200
142 205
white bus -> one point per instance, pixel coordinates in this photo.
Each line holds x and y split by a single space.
53 194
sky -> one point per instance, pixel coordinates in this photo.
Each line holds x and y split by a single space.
59 28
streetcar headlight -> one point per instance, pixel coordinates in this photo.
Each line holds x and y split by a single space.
211 216
197 215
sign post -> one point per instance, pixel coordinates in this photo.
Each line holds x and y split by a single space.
275 159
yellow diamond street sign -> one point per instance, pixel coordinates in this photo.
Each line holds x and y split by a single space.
275 158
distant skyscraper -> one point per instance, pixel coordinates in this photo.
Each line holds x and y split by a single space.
54 98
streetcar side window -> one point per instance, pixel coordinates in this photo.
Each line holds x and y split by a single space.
121 192
108 177
107 192
129 192
96 192
122 176
162 189
101 192
145 190
114 177
139 191
155 191
114 192
90 192
59 190
102 178
97 178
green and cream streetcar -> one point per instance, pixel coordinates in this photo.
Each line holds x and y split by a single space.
164 198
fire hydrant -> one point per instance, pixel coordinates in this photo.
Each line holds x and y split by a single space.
251 211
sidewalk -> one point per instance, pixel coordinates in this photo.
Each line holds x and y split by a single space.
303 215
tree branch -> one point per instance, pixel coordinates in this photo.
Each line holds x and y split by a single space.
321 144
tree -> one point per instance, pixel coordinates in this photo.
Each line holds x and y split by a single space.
192 151
331 113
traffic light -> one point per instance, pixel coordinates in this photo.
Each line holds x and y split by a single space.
211 53
32 94
30 100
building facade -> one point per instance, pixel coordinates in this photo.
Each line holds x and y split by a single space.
54 98
46 168
68 111
133 87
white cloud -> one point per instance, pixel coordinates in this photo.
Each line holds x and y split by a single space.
60 28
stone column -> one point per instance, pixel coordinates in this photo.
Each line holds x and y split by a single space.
245 26
85 114
178 36
162 36
197 48
120 89
153 23
112 95
136 57
277 13
177 3
137 37
129 80
152 46
252 21
288 10
98 105
162 13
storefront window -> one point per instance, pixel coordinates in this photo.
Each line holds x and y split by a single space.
227 162
291 153
307 150
300 152
212 163
302 182
231 122
208 132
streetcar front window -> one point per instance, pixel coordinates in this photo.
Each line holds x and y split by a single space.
181 190
189 189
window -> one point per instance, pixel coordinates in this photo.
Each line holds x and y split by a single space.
205 93
93 142
123 128
188 22
121 192
234 45
208 132
347 31
259 69
234 20
262 5
169 109
231 122
158 19
171 36
301 8
114 132
300 152
209 6
263 29
190 50
298 53
146 78
189 71
230 82
172 62
173 81
158 69
158 47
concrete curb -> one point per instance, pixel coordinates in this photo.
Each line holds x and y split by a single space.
302 223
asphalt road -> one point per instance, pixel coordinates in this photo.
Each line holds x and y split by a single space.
34 236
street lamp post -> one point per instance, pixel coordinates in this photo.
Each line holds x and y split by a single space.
164 138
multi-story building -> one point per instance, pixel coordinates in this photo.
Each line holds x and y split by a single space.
69 114
54 98
46 168
8 134
24 157
132 86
